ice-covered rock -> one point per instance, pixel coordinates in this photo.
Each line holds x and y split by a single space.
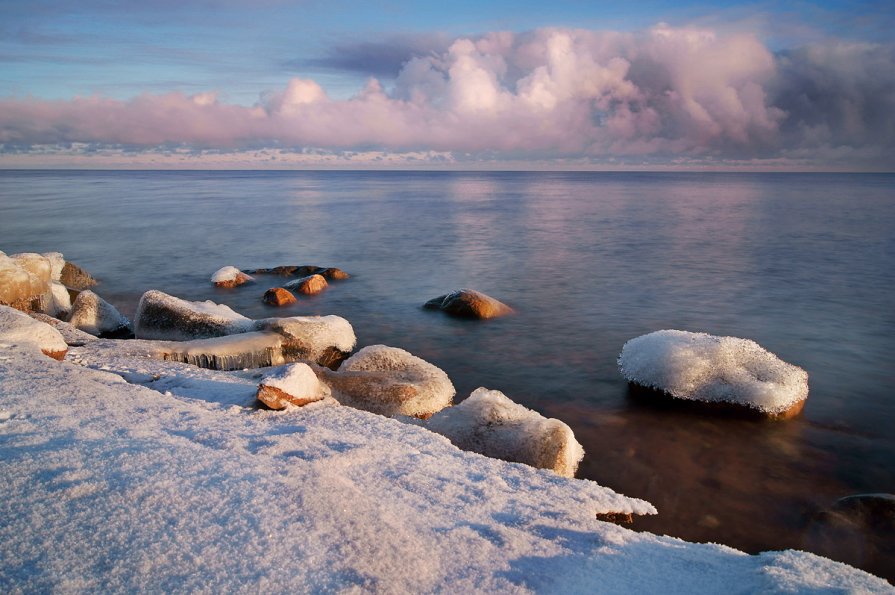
75 277
20 330
230 277
330 273
468 303
18 287
71 335
489 423
59 304
165 317
295 384
326 340
92 314
36 264
390 381
278 296
311 285
720 370
57 263
257 349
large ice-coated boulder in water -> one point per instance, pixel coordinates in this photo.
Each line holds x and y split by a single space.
92 314
390 381
490 423
719 370
468 303
17 328
168 318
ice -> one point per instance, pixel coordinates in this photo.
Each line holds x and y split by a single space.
18 330
92 314
233 352
118 488
229 276
322 339
703 367
163 316
24 281
59 303
295 384
489 423
390 381
57 263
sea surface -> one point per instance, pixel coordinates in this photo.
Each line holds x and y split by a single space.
804 264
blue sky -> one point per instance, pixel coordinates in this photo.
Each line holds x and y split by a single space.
248 52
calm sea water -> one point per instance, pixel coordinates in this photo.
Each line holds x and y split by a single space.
802 264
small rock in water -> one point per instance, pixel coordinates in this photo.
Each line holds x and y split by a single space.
311 285
277 296
229 277
75 277
92 314
468 303
330 273
295 384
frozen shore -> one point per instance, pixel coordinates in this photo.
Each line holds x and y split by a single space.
122 473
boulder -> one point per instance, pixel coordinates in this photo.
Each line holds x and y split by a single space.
168 318
468 303
277 296
726 373
390 381
59 304
17 328
21 288
257 349
94 315
57 263
75 277
326 340
330 273
489 423
295 384
230 277
311 285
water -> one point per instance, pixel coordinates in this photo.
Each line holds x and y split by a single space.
802 264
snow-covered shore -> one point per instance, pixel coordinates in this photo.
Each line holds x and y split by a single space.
107 485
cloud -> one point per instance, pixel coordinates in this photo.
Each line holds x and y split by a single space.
660 96
382 58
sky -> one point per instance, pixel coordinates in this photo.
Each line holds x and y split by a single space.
457 85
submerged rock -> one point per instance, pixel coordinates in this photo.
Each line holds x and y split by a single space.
94 315
168 318
17 328
229 277
296 384
728 371
489 423
390 381
278 296
75 277
311 285
468 303
330 273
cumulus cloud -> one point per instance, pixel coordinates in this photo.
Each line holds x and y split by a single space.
660 95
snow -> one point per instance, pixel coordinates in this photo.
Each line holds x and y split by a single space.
230 275
18 330
703 367
391 381
490 423
311 337
119 488
163 316
295 384
92 314
59 303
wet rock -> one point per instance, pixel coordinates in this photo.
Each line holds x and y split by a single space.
468 303
491 424
329 273
17 328
311 285
229 277
295 384
94 315
75 277
278 296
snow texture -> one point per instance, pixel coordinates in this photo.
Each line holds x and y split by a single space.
18 330
391 381
92 314
703 367
119 488
489 423
294 384
165 317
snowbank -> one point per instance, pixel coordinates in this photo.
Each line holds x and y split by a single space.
118 488
230 276
165 317
489 423
390 381
702 367
20 331
92 314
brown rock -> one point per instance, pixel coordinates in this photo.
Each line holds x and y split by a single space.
334 274
57 355
468 303
240 279
75 277
277 296
308 285
619 518
278 399
330 273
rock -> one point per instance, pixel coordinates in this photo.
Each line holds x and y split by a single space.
334 274
296 384
277 296
165 317
230 277
390 381
57 263
59 304
75 277
257 349
24 281
489 423
311 285
17 328
468 303
94 315
331 273
869 510
72 336
326 340
725 373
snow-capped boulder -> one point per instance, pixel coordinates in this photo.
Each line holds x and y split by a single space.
311 285
19 288
720 370
75 277
330 273
59 304
20 330
230 277
489 423
295 384
390 381
92 314
468 303
36 264
278 296
165 317
57 263
326 340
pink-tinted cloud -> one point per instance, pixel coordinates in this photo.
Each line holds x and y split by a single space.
552 93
